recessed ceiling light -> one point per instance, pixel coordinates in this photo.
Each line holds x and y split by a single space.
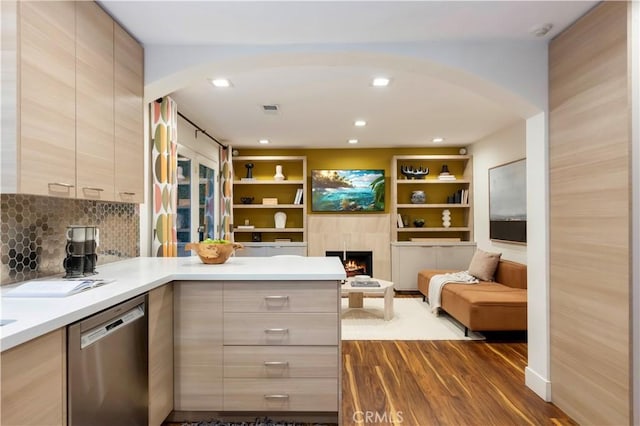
359 123
380 82
353 141
438 140
263 141
221 82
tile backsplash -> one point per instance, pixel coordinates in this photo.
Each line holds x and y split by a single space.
33 233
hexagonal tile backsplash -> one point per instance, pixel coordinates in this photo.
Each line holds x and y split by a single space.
33 229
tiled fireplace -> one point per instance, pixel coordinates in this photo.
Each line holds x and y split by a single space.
355 262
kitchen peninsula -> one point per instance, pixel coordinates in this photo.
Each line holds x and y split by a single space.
249 335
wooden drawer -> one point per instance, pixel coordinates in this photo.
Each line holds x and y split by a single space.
281 394
282 362
281 329
276 296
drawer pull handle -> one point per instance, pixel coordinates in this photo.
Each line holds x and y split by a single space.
277 396
92 188
64 185
131 194
276 363
276 298
276 330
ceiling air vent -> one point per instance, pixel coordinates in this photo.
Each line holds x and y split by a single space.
270 109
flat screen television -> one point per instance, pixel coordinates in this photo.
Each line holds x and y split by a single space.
359 190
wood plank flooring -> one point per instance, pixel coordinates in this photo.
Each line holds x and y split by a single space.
420 383
424 383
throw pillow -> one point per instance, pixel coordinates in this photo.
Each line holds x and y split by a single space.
483 265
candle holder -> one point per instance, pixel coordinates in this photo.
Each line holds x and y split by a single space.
249 167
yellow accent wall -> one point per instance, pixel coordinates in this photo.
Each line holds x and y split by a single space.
357 158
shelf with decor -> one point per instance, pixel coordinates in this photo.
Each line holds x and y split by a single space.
432 244
264 186
418 195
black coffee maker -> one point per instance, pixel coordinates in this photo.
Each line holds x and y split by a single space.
81 246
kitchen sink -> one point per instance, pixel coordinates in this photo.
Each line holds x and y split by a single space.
6 321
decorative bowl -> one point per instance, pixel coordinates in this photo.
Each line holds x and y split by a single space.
213 253
246 200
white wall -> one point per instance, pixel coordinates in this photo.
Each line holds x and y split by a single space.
537 373
503 146
200 144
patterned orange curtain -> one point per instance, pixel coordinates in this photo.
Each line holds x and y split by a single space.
164 131
226 194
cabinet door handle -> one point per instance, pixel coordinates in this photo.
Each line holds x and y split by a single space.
90 188
276 363
276 396
267 298
65 185
276 330
128 193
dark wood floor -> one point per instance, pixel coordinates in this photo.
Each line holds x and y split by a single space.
423 383
420 383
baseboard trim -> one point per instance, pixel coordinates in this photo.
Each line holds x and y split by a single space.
538 384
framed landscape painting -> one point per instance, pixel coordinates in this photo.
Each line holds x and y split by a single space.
342 191
508 202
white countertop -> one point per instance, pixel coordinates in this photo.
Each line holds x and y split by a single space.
35 317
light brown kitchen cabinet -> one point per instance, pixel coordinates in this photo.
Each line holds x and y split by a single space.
94 103
33 382
198 350
160 354
72 89
129 137
45 152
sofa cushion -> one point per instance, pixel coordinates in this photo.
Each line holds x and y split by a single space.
483 265
486 306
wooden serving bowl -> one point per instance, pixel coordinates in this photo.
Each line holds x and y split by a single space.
213 253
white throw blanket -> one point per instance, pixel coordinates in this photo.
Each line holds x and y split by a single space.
438 281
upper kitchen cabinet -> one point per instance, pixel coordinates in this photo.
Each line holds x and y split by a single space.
72 83
129 137
46 148
94 103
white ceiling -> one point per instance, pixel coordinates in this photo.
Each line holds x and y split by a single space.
318 104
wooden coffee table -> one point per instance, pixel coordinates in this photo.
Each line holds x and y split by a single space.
356 295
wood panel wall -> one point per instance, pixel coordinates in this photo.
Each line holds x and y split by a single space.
590 190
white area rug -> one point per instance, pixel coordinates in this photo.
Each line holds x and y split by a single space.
412 320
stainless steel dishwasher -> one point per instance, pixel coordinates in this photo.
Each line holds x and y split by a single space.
107 367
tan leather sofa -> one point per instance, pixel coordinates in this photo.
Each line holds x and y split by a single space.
486 306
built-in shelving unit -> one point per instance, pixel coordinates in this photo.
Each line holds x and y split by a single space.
437 192
433 245
259 213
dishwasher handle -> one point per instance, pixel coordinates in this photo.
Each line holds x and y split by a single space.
95 334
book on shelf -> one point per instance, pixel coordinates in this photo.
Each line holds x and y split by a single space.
298 198
446 177
245 227
282 240
246 179
465 196
270 201
400 223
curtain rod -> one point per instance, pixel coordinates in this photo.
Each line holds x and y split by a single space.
198 129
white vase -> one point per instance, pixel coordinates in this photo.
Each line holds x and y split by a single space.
446 218
278 175
280 219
